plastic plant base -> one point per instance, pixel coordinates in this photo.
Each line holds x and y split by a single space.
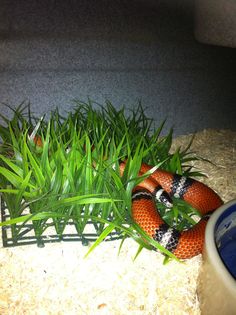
26 235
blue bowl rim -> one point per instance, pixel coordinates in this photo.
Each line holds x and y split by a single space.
211 248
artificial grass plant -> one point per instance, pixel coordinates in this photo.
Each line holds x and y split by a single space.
73 175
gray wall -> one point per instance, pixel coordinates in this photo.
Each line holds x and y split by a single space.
54 51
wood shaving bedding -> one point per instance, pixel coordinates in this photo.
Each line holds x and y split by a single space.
58 280
219 147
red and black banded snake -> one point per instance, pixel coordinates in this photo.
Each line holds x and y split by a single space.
162 185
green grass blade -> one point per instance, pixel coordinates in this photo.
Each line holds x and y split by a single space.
138 252
101 237
37 171
14 179
17 169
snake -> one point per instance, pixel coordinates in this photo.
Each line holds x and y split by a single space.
161 186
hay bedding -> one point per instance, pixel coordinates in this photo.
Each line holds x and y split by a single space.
58 280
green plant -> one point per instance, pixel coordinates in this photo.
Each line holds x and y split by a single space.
74 176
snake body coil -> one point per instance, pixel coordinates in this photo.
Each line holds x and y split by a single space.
162 185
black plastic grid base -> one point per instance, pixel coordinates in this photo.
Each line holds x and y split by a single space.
27 237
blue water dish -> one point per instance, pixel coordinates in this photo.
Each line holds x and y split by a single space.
225 238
